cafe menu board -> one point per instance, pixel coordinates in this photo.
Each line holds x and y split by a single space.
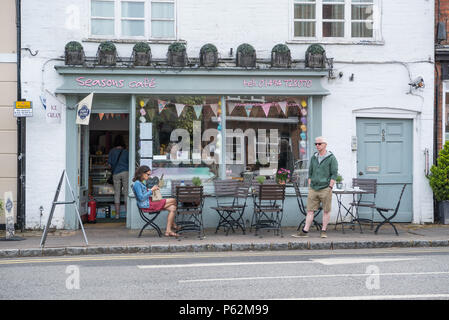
146 144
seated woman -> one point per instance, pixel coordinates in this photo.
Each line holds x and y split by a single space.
143 199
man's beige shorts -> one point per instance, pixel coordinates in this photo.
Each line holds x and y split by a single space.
317 197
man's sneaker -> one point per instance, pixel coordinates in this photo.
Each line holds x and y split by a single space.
323 234
301 234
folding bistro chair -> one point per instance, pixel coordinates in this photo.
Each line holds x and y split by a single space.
254 185
370 186
269 207
230 211
175 183
189 212
383 211
148 217
303 208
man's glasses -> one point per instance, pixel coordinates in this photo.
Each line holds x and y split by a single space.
318 143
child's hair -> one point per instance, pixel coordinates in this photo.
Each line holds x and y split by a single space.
138 174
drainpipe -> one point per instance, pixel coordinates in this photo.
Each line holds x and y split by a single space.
20 131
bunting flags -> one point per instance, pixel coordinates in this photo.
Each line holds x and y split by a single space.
283 106
161 105
198 108
214 108
179 108
248 108
266 108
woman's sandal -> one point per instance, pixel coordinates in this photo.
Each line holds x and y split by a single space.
171 234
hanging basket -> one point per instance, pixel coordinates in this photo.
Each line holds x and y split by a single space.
281 56
74 53
176 55
209 55
315 57
246 56
107 54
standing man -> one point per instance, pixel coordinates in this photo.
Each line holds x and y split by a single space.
118 159
323 169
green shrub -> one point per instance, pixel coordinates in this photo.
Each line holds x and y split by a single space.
261 179
280 48
141 47
196 181
209 47
439 175
246 49
107 46
315 49
73 46
176 47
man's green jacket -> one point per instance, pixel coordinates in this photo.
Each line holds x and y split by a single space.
322 173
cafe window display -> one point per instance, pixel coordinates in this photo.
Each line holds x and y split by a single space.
177 137
181 137
266 134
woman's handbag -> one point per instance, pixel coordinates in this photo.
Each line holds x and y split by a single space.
111 175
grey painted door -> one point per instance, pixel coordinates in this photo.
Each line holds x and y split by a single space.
385 153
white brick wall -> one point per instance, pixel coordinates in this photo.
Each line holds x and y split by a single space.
381 76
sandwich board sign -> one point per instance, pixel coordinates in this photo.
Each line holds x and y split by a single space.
23 109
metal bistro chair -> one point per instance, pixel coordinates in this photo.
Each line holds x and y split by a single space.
370 186
189 211
148 217
269 208
383 211
303 209
230 212
254 190
175 183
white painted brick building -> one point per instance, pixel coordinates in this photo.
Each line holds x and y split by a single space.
371 78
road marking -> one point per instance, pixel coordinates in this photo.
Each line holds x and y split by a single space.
378 297
313 276
336 261
222 264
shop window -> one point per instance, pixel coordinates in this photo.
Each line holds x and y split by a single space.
133 19
264 135
177 136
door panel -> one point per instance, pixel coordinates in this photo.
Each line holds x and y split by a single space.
385 153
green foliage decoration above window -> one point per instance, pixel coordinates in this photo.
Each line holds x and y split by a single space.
246 49
280 48
141 47
107 46
73 46
209 47
176 47
439 175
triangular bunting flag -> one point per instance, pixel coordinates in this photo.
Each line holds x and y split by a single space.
151 113
231 106
266 108
214 108
198 108
101 115
161 105
112 115
283 105
248 108
179 108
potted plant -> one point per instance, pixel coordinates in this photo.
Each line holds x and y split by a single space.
438 180
339 181
74 53
176 55
281 56
282 175
209 55
141 54
196 181
107 53
260 179
315 56
246 56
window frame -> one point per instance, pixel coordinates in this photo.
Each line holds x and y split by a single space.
118 19
348 39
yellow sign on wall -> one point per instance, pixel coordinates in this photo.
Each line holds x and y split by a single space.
23 109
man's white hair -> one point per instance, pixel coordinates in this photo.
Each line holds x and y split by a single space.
321 139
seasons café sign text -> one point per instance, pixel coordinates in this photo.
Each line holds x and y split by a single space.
109 83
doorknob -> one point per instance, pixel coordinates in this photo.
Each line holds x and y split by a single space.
360 173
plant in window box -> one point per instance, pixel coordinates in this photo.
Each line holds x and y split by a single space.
141 54
315 56
176 55
282 175
246 56
281 56
74 53
209 55
107 54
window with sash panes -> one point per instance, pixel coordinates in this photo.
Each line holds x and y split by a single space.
133 19
335 19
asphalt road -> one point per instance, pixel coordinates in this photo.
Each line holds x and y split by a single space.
413 273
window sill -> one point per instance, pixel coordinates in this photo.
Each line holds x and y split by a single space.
339 42
155 41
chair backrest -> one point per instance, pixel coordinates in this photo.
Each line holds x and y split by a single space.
225 188
175 183
271 192
189 194
369 185
400 197
298 195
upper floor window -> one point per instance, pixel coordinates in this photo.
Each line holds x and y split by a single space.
131 19
335 19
